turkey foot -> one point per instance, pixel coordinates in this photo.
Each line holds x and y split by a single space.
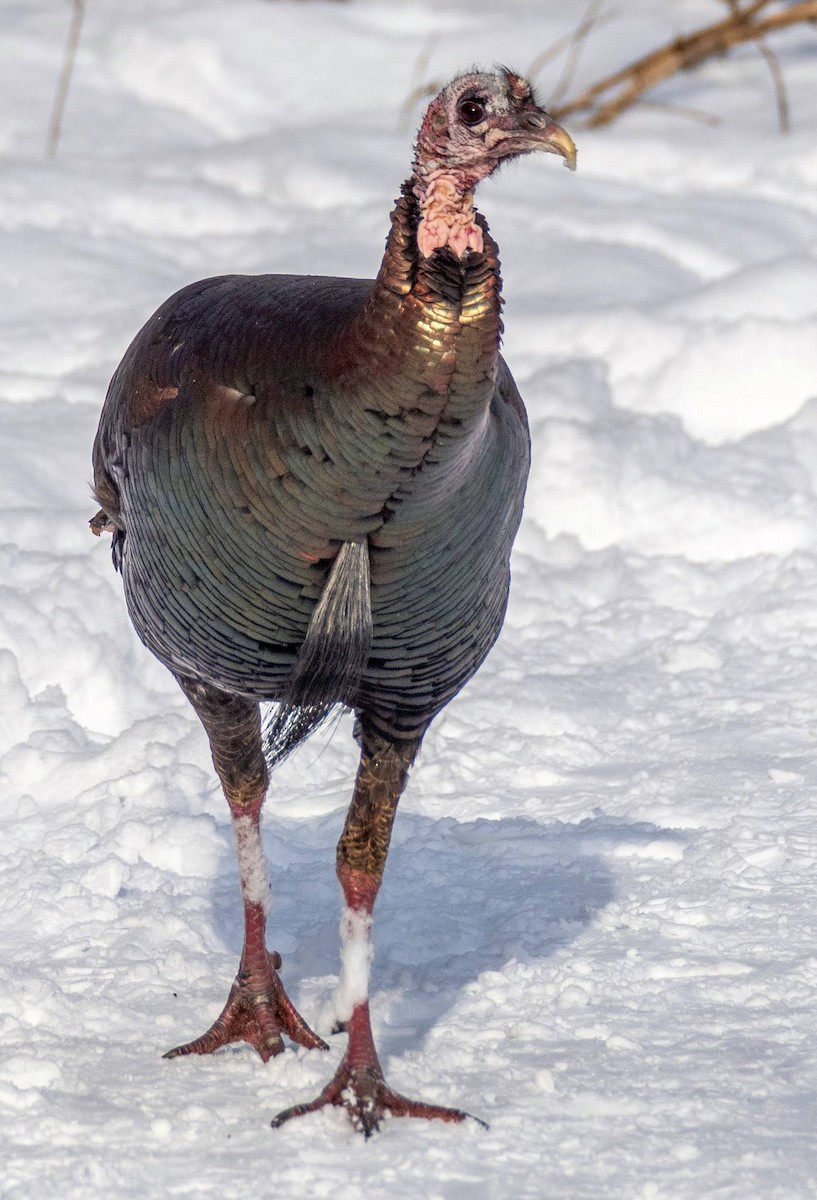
257 1011
367 1098
360 1088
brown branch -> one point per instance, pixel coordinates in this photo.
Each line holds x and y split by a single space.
781 95
55 124
420 90
683 53
575 47
579 34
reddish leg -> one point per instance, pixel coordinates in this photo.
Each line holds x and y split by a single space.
359 1085
258 1009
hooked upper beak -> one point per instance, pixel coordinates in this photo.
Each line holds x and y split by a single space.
558 141
541 133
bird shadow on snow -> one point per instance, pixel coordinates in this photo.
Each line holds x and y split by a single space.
458 899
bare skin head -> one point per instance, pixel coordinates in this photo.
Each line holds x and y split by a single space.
476 123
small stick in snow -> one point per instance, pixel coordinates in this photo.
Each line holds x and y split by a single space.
55 125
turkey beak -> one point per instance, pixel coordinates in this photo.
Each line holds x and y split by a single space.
543 134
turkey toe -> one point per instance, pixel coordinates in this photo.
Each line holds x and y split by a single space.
257 1011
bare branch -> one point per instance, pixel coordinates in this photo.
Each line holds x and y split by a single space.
552 52
575 47
420 90
781 95
55 125
627 86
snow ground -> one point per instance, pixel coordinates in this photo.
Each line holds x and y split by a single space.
599 924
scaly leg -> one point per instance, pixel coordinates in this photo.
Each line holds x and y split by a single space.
359 1086
258 1009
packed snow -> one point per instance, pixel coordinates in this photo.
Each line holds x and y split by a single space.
598 927
356 953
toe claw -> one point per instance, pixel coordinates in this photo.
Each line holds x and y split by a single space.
368 1099
297 1110
257 1011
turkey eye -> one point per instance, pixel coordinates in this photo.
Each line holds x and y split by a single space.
471 112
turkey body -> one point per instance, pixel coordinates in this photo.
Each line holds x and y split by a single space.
314 486
257 423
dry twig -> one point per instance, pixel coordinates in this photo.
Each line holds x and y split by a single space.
55 124
606 99
773 63
419 91
781 95
579 34
574 49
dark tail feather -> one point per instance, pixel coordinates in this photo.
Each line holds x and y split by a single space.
330 662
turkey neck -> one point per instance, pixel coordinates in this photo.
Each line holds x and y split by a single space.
423 352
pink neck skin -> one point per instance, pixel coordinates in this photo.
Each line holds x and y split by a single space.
445 188
446 202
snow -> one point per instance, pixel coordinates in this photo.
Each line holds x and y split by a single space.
356 952
598 926
253 866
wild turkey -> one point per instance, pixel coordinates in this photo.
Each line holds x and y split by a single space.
313 485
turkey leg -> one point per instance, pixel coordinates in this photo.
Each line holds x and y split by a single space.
359 1085
258 1009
